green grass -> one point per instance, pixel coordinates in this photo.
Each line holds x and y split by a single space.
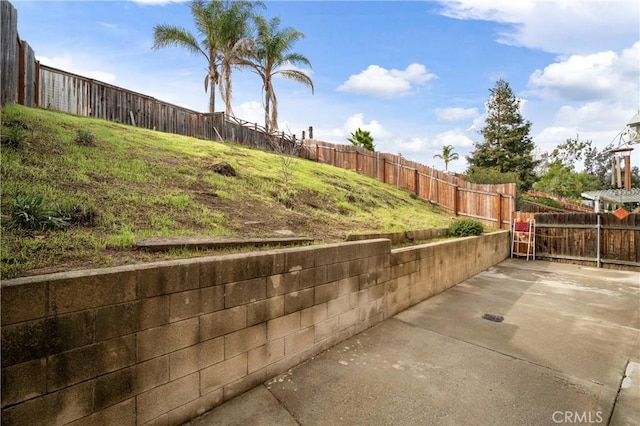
144 183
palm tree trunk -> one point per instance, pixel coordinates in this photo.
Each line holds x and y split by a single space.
212 94
267 107
274 112
226 91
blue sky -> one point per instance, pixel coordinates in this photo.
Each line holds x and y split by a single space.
415 74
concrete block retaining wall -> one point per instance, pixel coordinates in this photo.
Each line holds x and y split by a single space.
162 343
400 237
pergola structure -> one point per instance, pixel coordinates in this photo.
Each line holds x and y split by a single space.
613 196
626 138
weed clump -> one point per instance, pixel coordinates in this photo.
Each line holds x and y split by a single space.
33 212
85 137
465 228
14 135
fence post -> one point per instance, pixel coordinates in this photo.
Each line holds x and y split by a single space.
303 138
357 160
335 155
224 127
499 210
598 230
384 170
36 100
455 200
310 132
417 183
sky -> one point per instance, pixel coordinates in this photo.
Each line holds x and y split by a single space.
416 74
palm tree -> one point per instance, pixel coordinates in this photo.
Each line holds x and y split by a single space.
223 30
447 155
233 19
363 139
270 55
205 15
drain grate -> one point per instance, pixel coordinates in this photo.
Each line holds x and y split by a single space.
492 317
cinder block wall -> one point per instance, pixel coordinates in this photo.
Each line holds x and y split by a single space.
420 272
399 237
162 343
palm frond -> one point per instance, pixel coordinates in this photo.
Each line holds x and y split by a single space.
170 35
297 76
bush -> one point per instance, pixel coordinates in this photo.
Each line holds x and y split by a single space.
465 228
85 137
14 135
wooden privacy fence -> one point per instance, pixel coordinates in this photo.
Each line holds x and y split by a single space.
18 65
598 239
25 81
491 204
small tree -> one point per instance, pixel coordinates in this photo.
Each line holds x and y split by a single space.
362 138
563 181
447 156
507 145
560 177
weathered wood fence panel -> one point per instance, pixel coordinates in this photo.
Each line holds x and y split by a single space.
28 70
10 49
574 237
491 204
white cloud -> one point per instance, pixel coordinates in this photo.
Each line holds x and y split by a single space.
379 81
411 145
251 111
456 114
456 137
594 114
564 27
603 75
596 121
107 25
70 64
356 121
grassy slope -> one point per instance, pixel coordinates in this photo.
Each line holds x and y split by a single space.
145 183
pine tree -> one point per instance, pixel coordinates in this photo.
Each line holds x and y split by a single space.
507 145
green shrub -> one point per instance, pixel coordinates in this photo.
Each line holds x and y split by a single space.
85 137
465 228
13 135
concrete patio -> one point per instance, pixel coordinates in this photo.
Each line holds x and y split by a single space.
566 352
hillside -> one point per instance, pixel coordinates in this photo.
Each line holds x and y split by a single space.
113 183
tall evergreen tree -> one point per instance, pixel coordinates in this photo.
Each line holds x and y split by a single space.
507 145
